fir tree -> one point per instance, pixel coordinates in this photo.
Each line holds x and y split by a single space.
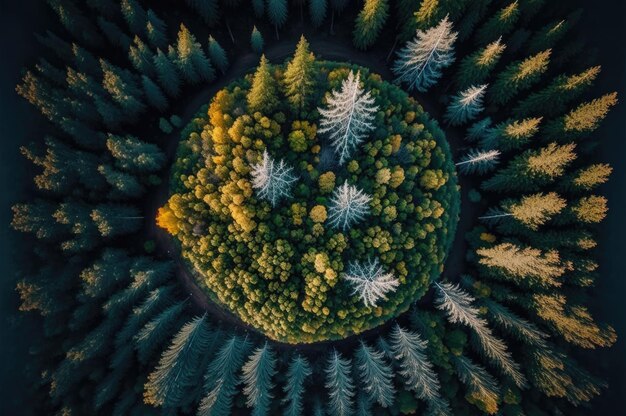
154 333
294 389
548 36
583 120
273 181
114 34
466 105
177 371
207 9
191 59
348 116
115 220
458 307
277 13
38 218
299 77
348 205
502 23
155 96
589 209
479 161
317 10
134 15
532 210
85 61
519 76
73 19
475 68
221 378
156 30
376 375
257 375
587 178
481 386
256 40
167 74
519 328
369 23
553 99
525 266
533 169
141 57
420 62
124 184
370 282
217 55
512 134
101 279
123 88
478 130
339 385
263 93
133 155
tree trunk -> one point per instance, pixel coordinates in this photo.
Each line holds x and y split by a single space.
230 32
393 48
276 27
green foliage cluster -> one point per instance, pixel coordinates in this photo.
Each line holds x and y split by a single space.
279 268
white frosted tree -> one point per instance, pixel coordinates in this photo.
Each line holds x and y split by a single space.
409 350
420 62
370 281
273 181
299 370
348 116
339 385
376 375
458 305
479 161
257 375
466 105
348 205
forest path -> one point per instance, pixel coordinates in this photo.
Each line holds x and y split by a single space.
326 49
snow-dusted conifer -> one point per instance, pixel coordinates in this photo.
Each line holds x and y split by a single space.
375 374
348 116
420 62
257 375
478 161
458 306
299 370
370 281
272 180
466 105
339 385
409 350
347 206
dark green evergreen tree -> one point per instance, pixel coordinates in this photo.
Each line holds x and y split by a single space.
217 55
369 23
167 74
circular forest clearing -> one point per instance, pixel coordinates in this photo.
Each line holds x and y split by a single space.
290 225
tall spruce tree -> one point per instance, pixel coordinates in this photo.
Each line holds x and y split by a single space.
277 13
518 76
257 375
263 93
369 23
500 24
339 385
156 30
167 74
375 375
217 55
297 374
583 120
256 40
317 10
299 77
475 68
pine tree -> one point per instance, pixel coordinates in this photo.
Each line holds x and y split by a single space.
101 279
134 155
123 88
519 76
479 161
587 178
583 120
409 350
348 206
76 216
167 74
115 220
457 304
348 116
589 209
177 371
512 134
256 40
156 30
317 10
549 35
259 8
339 384
299 77
221 378
466 105
191 59
124 184
376 375
369 23
533 169
277 13
532 210
370 282
478 130
294 389
524 266
257 375
114 34
475 68
73 19
519 328
37 218
553 99
141 56
481 386
263 93
420 62
155 96
217 55
134 15
207 9
500 24
153 334
85 61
